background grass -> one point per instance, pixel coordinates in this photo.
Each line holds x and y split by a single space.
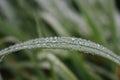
96 20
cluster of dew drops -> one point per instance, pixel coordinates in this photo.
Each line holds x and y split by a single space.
56 42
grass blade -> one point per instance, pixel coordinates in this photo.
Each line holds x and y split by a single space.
58 65
64 43
81 68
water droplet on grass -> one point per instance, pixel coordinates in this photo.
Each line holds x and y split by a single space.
73 39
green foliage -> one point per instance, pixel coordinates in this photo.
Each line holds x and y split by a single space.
23 20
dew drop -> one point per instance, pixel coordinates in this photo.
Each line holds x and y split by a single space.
53 41
73 39
43 44
47 40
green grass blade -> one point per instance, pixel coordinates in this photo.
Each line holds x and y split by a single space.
58 65
64 43
81 68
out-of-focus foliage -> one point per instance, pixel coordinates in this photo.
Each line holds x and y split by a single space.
21 20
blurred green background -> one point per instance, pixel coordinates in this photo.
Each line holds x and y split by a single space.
95 20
